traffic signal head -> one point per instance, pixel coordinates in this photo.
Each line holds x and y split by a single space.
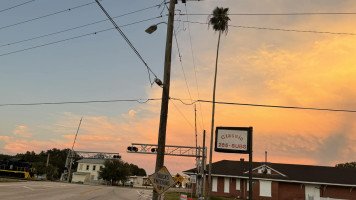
135 149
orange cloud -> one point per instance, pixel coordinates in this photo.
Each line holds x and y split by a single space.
22 131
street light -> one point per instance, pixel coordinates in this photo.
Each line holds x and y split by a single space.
153 28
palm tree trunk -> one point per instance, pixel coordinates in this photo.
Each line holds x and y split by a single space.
212 120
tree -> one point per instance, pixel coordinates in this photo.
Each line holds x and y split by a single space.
115 170
219 20
346 165
136 171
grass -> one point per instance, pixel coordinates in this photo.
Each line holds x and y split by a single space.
176 196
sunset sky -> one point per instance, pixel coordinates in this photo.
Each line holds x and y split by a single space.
256 66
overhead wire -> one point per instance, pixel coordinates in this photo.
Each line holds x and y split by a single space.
141 101
44 16
128 41
181 64
195 70
76 37
267 106
180 112
73 28
15 6
279 29
276 14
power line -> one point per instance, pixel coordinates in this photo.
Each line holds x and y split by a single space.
44 16
195 71
292 30
267 106
76 37
141 101
279 29
180 112
15 6
276 14
128 41
70 29
181 64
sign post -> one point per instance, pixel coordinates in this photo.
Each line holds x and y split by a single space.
235 140
161 180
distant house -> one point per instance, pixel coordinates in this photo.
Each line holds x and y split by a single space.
136 181
275 181
88 171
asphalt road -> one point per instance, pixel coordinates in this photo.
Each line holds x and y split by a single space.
39 190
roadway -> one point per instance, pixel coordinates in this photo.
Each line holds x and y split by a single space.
40 190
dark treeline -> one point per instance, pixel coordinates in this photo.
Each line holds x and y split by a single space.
56 162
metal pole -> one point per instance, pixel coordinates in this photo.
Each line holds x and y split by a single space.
47 160
72 153
165 93
203 168
250 192
212 120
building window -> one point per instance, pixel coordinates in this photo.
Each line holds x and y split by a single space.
265 188
226 185
215 184
87 167
238 186
80 166
94 167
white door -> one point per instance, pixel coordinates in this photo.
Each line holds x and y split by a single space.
312 192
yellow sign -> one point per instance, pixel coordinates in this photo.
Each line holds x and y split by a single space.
178 178
161 180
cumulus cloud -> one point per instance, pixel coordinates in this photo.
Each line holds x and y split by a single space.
22 131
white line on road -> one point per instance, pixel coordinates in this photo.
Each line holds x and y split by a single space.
28 188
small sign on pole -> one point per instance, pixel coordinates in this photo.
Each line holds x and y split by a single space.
161 180
193 179
178 178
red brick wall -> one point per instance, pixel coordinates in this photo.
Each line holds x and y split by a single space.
338 192
282 191
291 191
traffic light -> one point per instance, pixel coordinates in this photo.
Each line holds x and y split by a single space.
135 149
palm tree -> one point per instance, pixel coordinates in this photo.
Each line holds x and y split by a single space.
219 20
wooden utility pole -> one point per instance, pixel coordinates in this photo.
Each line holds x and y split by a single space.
165 93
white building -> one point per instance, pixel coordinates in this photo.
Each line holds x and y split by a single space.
88 171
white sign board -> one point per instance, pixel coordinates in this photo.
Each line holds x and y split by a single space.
232 139
162 180
193 179
183 197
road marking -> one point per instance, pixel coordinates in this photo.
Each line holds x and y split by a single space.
28 188
84 192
